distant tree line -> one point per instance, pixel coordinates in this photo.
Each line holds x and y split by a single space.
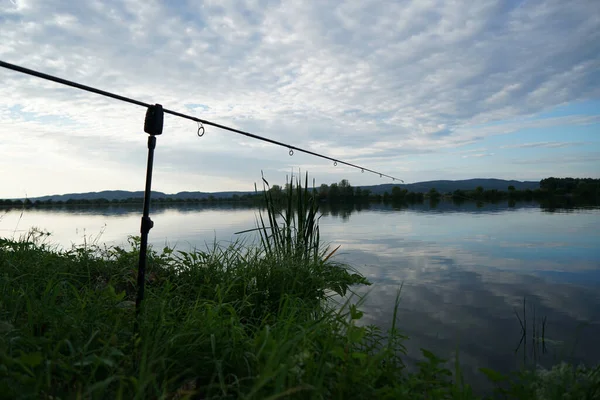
346 193
585 189
128 201
580 187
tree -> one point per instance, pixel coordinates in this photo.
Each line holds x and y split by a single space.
334 192
398 194
459 194
323 192
346 190
276 191
434 194
478 192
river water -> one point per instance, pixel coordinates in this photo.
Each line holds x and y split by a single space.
465 270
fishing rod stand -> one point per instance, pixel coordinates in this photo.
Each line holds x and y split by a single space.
153 126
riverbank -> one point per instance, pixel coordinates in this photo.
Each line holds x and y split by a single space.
230 323
226 324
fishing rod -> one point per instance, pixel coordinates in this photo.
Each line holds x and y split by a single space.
153 125
292 148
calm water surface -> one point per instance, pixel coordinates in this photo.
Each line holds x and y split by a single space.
464 269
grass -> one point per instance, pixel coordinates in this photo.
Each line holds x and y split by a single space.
233 322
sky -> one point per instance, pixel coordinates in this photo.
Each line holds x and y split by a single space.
421 90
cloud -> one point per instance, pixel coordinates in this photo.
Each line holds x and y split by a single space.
371 79
550 145
476 132
478 155
592 157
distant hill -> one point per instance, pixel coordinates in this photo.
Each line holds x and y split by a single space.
451 186
124 194
440 186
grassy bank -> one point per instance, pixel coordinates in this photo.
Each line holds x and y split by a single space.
229 322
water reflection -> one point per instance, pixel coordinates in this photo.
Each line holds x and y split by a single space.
465 267
464 272
346 210
447 306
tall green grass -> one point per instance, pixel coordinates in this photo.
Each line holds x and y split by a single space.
232 322
289 236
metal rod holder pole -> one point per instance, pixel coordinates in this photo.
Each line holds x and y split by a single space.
147 224
153 125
